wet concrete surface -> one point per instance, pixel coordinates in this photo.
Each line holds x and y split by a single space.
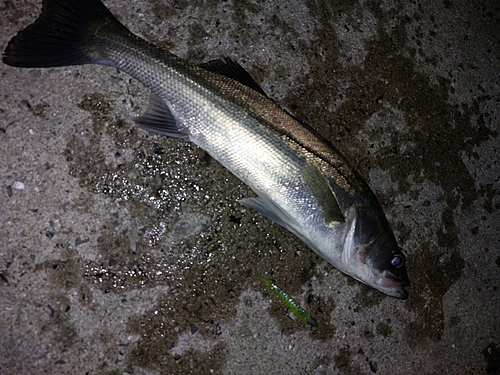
123 252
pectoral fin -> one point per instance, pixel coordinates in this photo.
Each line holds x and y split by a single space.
320 188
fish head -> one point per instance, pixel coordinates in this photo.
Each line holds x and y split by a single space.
371 254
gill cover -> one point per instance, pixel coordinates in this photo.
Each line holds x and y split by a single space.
371 254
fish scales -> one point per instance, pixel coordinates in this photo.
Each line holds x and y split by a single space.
259 142
250 135
302 182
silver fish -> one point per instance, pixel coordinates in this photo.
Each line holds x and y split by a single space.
302 182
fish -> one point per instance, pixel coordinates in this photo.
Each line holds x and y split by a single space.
300 179
288 301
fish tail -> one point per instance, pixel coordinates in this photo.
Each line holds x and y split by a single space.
61 36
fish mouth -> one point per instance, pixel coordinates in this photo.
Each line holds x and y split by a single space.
396 284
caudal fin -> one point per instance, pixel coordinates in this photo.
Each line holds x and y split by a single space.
59 36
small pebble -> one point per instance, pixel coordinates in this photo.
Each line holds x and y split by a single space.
18 185
80 241
26 103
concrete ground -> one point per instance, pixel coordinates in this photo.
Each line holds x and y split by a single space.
123 252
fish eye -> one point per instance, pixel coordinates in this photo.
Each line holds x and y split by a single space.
397 261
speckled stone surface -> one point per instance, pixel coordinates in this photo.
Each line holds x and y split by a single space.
123 252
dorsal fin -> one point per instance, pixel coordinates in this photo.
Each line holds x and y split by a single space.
231 69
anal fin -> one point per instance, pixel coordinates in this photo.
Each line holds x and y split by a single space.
158 118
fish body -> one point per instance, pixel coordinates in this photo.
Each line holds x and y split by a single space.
302 182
